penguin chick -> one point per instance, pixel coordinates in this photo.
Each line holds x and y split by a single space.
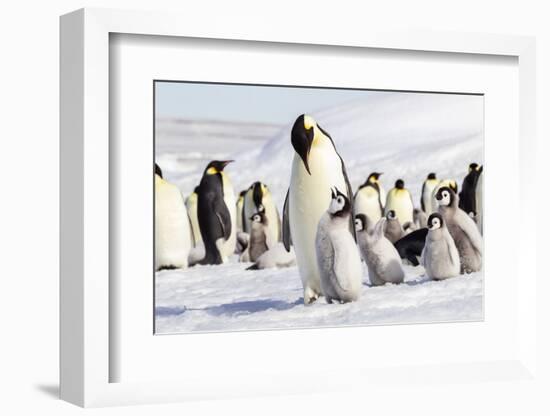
337 254
316 169
393 230
275 257
440 256
258 242
450 183
400 201
258 198
242 242
420 219
382 258
463 229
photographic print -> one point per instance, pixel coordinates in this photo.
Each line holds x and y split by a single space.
285 207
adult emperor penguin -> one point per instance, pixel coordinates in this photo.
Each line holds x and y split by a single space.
382 258
240 205
427 191
172 233
370 198
216 213
337 255
191 204
400 200
467 195
479 202
316 169
463 229
258 198
440 256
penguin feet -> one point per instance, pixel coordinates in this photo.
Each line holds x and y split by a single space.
310 296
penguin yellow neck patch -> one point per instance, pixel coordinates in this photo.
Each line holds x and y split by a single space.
211 171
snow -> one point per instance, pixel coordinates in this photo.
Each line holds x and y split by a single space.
404 135
203 299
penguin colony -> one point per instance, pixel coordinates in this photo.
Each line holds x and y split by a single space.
326 230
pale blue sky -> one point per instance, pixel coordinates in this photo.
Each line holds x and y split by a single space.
280 105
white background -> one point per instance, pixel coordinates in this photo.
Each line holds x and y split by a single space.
29 207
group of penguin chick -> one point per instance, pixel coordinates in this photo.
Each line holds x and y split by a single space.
324 224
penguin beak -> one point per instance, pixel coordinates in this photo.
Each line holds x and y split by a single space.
302 139
224 163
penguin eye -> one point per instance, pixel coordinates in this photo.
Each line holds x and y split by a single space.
340 200
446 194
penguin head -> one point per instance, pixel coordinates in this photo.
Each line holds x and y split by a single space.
216 166
360 222
391 215
340 205
431 176
473 166
258 190
400 184
445 196
305 132
435 221
259 218
374 177
158 170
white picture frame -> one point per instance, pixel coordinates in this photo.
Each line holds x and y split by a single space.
87 356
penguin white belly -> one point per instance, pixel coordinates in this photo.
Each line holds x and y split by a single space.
479 203
367 202
401 203
272 215
309 198
172 232
430 205
194 219
228 248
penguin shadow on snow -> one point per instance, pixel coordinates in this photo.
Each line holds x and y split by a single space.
235 308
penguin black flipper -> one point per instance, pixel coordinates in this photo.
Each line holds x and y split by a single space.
287 239
216 204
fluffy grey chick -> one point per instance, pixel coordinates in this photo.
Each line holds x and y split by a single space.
383 260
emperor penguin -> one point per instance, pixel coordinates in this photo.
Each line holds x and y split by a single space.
316 169
427 191
240 205
450 183
191 204
382 258
479 202
400 201
172 231
337 255
370 198
259 242
420 218
463 229
440 256
393 229
258 198
467 195
216 213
